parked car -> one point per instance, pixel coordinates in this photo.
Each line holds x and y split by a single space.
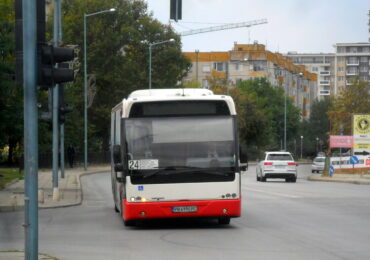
318 164
277 165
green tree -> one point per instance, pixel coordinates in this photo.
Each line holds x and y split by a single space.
118 54
317 126
269 108
11 98
354 99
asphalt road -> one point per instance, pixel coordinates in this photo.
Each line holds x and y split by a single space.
303 220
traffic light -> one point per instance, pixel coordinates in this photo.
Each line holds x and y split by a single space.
49 73
175 9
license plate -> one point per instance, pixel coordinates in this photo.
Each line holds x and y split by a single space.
279 166
184 209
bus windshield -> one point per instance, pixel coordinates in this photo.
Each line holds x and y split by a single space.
180 149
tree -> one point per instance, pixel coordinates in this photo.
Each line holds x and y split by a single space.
317 126
117 45
11 98
354 99
269 111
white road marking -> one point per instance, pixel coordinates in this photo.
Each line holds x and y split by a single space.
273 193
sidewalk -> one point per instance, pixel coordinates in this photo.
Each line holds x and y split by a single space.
344 178
70 190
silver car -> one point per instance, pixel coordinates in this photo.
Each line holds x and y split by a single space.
277 165
318 164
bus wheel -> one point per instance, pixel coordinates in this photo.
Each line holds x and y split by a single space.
224 220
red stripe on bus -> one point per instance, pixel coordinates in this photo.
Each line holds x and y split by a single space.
205 208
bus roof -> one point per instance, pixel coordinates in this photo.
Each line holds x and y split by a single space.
181 94
175 92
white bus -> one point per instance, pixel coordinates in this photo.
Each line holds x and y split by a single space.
175 153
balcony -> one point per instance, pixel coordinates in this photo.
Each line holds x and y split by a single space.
325 73
352 73
325 83
348 83
353 62
324 93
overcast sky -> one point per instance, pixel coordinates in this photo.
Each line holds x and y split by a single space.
308 26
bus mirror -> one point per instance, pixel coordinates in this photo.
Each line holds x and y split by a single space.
118 169
116 154
243 157
243 154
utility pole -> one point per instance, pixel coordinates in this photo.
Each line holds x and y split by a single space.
29 9
55 91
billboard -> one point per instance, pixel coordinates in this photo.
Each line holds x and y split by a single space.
341 141
361 133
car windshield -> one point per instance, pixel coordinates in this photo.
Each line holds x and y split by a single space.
279 157
169 145
319 160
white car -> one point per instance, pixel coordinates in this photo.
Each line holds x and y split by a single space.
277 165
318 164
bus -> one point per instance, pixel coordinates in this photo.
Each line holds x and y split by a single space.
175 154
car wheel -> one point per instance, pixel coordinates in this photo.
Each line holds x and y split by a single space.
294 179
224 220
313 171
263 179
257 178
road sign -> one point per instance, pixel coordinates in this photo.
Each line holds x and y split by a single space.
331 170
354 159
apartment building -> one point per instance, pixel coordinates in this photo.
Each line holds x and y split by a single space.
323 65
248 61
351 60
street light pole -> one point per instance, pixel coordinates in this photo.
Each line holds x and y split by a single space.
85 82
301 145
150 58
317 145
285 117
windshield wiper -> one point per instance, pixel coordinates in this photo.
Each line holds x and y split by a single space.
184 169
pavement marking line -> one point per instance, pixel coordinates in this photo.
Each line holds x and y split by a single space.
273 193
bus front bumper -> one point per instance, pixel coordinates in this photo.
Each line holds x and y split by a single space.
180 209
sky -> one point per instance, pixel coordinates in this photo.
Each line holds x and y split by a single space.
304 26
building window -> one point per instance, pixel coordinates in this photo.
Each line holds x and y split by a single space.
352 60
341 50
363 78
206 69
238 66
365 49
363 59
341 59
340 78
315 69
219 66
340 69
363 69
353 49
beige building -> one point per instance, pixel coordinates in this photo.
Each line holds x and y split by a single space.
248 61
323 65
351 60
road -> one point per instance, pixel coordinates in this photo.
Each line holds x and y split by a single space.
303 220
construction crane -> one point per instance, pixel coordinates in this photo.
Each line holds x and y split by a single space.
224 27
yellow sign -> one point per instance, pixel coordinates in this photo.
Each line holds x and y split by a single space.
361 124
360 146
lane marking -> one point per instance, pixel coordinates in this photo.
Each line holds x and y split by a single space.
273 193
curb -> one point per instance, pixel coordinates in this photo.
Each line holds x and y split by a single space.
20 208
328 179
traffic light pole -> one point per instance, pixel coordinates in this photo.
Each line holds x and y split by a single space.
61 124
55 91
30 130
